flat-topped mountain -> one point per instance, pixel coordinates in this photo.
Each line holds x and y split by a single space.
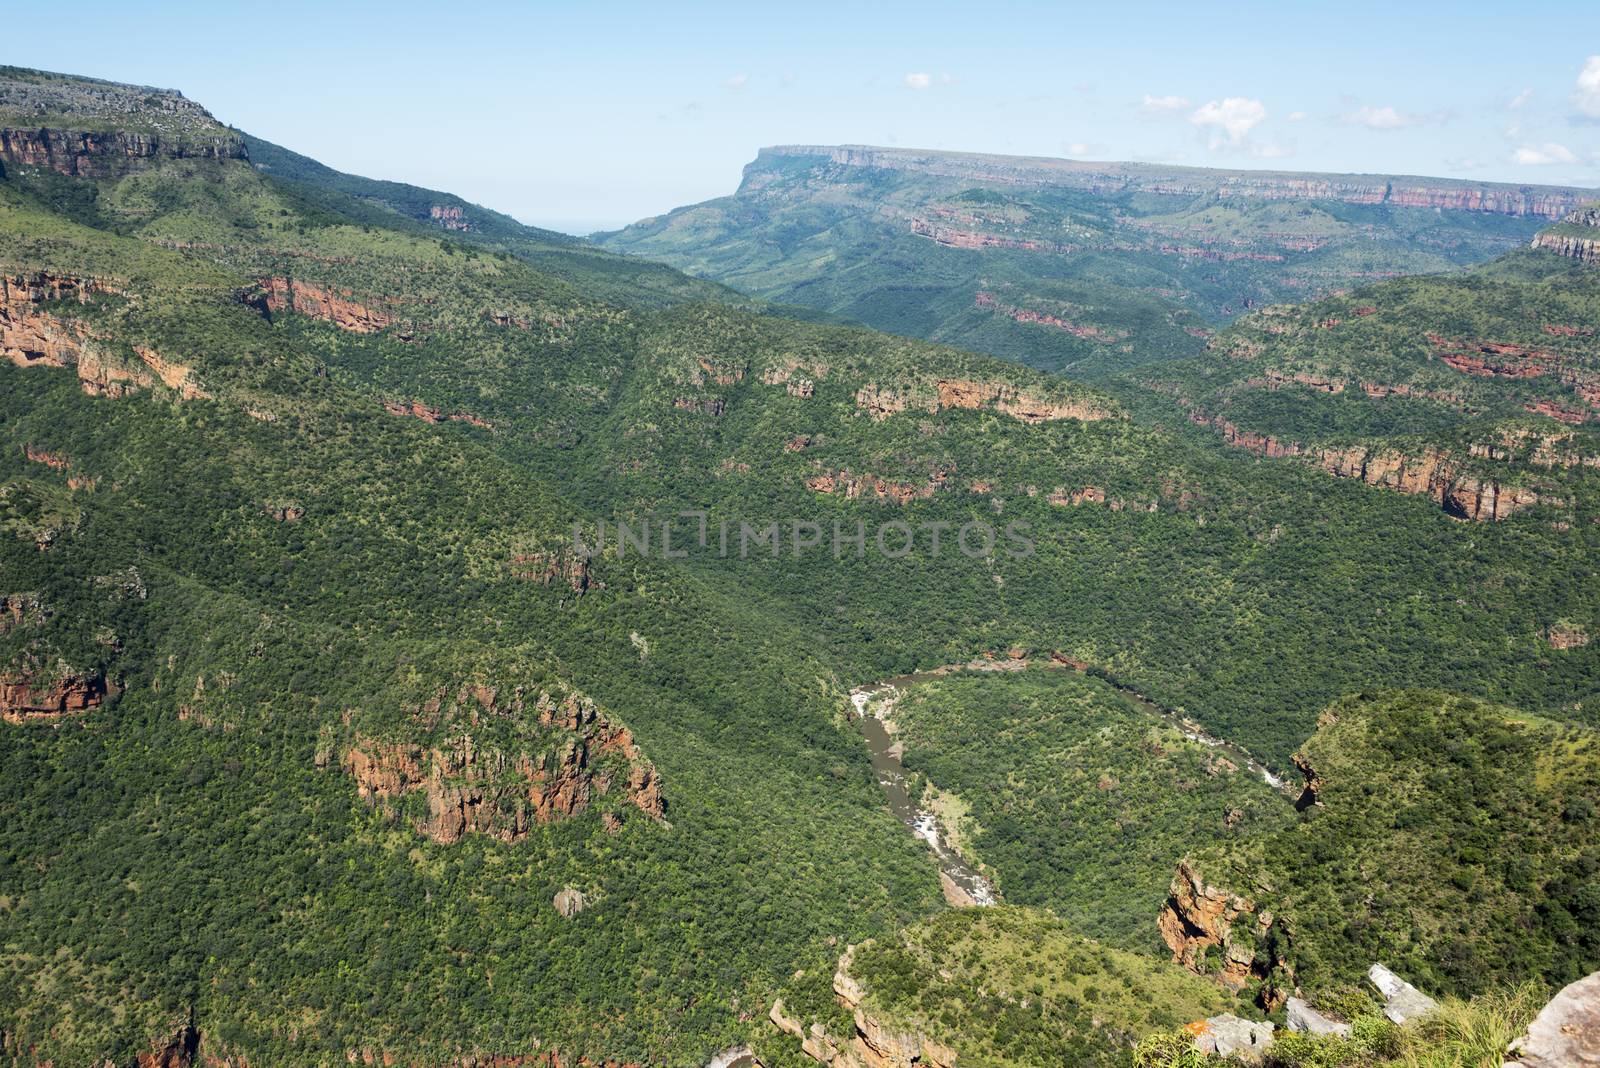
1406 191
1072 265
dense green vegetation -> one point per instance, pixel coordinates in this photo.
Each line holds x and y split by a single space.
1082 800
1009 986
1452 840
341 514
1499 368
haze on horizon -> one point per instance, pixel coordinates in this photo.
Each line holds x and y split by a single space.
583 119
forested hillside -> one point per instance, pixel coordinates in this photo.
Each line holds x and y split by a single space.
325 739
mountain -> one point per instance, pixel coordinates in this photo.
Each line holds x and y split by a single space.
436 646
1063 264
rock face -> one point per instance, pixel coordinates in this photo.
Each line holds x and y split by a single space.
31 697
1402 1002
1566 1033
339 307
552 773
108 154
880 402
178 1051
89 128
1432 473
450 217
549 567
569 902
1577 237
1214 931
31 336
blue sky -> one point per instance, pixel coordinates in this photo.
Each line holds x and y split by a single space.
587 115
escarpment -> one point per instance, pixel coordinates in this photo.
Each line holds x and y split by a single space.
1549 202
1577 236
880 401
86 128
337 306
538 760
109 153
1432 472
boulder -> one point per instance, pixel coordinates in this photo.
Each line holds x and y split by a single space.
1566 1033
569 902
1302 1017
1402 1002
1230 1036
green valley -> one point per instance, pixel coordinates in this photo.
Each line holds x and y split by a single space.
345 719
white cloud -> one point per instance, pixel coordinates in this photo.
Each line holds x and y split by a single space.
1587 95
1272 151
738 81
1079 148
1157 105
1543 155
1297 116
1233 117
918 81
1385 118
1520 99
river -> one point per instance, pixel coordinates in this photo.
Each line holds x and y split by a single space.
872 704
964 884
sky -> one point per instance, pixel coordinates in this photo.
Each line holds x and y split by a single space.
584 116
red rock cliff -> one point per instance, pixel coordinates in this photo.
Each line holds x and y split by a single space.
105 154
575 756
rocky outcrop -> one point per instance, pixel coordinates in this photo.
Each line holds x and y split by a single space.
450 217
1576 237
109 153
31 336
548 567
1044 318
1228 1035
415 409
553 771
871 487
1402 1002
1566 1033
1214 931
32 695
569 902
178 1050
1432 472
1564 635
337 306
880 402
1300 1016
873 1043
964 393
